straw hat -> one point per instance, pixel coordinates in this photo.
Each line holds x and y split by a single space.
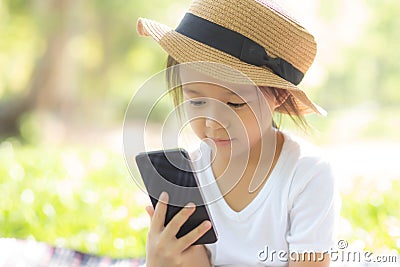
254 37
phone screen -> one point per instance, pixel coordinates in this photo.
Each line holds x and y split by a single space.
170 171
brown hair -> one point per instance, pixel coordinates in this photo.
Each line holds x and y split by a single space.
288 105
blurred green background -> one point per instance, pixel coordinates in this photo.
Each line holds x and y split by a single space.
69 68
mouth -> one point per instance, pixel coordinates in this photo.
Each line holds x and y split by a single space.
221 141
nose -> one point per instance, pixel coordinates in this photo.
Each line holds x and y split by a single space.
215 124
217 116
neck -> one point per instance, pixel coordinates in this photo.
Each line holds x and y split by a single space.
260 159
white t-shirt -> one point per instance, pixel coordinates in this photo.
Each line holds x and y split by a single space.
296 210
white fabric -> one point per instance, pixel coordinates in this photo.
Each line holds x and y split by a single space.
296 210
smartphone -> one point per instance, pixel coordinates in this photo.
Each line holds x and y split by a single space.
171 171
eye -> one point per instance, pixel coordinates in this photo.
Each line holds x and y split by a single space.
197 103
236 105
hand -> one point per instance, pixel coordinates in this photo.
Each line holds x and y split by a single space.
163 248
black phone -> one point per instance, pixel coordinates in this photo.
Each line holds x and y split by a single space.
171 171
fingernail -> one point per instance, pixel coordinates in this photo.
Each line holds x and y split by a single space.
190 205
163 196
207 224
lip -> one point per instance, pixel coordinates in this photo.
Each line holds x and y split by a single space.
221 142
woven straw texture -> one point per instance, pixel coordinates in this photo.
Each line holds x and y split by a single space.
260 21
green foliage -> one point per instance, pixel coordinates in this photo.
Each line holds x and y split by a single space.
20 46
81 199
104 61
368 70
384 124
375 217
329 9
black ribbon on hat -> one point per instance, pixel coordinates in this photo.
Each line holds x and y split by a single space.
237 45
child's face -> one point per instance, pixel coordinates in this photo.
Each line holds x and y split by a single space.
231 117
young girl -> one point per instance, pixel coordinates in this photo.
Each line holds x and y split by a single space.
271 196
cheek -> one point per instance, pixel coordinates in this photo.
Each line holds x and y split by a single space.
255 123
197 126
261 115
252 126
251 119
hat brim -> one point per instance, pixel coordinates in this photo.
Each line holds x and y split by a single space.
184 49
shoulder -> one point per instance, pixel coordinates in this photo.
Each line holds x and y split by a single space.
310 164
304 155
305 150
313 196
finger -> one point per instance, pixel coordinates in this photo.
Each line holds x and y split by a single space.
160 211
150 211
179 219
191 237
